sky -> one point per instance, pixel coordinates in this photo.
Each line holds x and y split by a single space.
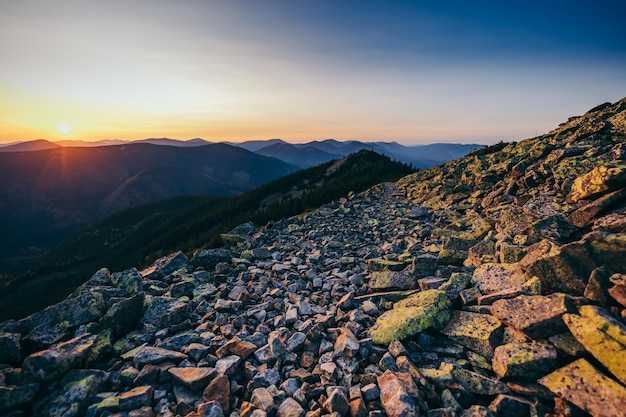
407 71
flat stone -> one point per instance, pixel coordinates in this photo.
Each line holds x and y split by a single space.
536 315
136 398
585 214
238 347
379 264
478 383
388 279
605 322
194 378
478 332
411 316
603 347
166 265
395 399
218 390
51 363
490 278
155 355
525 360
583 385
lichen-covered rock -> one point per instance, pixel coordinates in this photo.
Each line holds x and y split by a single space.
607 249
586 387
129 281
491 277
480 333
603 347
586 213
388 279
560 268
538 316
598 181
605 322
122 316
50 364
412 315
74 394
477 383
379 264
164 311
524 360
14 397
208 258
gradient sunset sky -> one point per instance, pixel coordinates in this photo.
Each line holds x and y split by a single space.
409 71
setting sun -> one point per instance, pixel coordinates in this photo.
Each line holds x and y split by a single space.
64 128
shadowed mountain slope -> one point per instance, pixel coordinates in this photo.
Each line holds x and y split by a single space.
140 234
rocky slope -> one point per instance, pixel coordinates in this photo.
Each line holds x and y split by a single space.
491 285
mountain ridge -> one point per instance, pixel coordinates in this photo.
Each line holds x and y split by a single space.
490 285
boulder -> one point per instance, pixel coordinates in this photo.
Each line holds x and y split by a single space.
194 378
50 364
608 351
76 391
480 333
164 266
155 355
411 316
524 360
491 277
598 181
583 385
538 316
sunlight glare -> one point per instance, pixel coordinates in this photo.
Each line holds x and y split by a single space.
63 128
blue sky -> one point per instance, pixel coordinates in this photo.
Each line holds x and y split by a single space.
410 71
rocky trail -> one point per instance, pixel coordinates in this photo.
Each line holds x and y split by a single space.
493 285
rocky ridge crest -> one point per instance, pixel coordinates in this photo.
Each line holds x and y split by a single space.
491 285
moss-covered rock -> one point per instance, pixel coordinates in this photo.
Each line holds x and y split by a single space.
14 397
604 348
51 363
480 333
524 360
380 264
401 280
586 387
73 396
411 316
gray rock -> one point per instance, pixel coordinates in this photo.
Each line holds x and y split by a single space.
162 267
154 355
50 364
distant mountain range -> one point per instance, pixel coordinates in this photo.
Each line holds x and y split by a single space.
302 155
46 195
